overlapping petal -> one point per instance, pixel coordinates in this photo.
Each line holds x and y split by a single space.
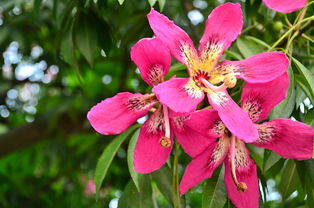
206 122
203 166
149 154
114 115
285 6
246 173
179 94
235 119
178 42
195 132
258 99
260 68
288 138
223 26
152 58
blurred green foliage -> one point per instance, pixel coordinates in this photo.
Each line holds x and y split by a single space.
62 57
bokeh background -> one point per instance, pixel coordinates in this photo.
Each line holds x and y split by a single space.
59 58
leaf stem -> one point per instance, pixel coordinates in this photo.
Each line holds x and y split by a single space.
176 195
289 31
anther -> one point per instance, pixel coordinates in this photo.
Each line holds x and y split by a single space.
165 142
230 80
241 187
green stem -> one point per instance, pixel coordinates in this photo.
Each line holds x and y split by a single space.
176 195
289 31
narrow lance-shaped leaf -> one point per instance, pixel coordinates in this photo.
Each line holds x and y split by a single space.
132 198
86 37
270 159
163 179
307 75
130 155
285 107
214 192
289 180
161 4
248 47
152 2
107 156
121 2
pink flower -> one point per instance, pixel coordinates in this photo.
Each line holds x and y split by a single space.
114 115
90 187
288 138
223 26
285 6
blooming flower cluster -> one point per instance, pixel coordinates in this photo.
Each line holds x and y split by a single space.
213 135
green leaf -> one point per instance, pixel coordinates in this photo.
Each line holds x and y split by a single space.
121 2
132 198
37 4
309 117
289 179
307 75
258 41
214 192
233 55
161 4
163 179
285 107
107 156
4 33
152 2
130 156
67 48
270 159
300 96
248 47
86 38
301 83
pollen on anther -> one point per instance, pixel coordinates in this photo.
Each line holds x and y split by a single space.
165 142
241 187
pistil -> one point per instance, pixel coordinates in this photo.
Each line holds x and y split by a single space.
241 186
165 141
211 86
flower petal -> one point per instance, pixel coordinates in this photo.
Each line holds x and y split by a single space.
149 155
194 140
206 122
152 58
288 138
116 114
179 94
223 26
258 99
246 173
261 68
203 166
179 43
285 6
235 119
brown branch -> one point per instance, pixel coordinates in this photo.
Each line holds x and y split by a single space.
30 133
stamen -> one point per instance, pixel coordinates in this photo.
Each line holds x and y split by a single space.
241 187
230 80
165 141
